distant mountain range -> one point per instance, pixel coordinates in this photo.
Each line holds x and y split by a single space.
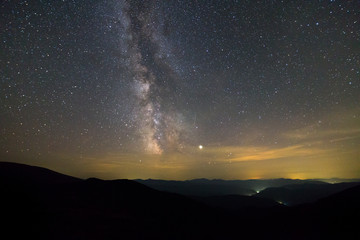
283 191
38 203
205 187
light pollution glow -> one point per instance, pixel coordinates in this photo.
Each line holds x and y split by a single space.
316 152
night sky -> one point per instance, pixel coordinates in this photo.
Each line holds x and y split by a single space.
182 89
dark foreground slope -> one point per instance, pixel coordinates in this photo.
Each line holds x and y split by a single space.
92 208
237 202
15 173
71 208
295 194
334 217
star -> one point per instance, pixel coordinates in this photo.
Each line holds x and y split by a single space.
120 80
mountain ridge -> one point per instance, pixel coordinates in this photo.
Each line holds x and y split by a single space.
111 209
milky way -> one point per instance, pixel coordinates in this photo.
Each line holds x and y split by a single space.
157 124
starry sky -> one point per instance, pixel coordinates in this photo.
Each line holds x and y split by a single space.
233 89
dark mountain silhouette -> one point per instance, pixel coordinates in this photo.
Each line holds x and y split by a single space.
31 175
303 193
237 202
198 187
333 217
49 205
37 203
348 198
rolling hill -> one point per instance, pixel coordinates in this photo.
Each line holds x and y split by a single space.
42 204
